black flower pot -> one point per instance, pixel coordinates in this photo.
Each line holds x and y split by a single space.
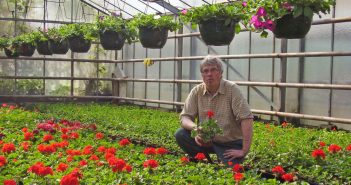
11 53
26 50
153 38
111 40
217 32
43 48
79 44
59 47
289 27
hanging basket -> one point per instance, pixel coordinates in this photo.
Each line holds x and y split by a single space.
289 27
153 38
59 47
216 32
79 44
26 50
43 48
111 40
11 53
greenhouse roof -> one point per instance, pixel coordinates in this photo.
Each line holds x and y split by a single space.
132 7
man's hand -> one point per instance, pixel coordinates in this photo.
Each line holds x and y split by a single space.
200 142
233 154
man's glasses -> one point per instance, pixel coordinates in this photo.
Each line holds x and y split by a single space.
208 70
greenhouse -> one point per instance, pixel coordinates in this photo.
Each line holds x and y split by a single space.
175 92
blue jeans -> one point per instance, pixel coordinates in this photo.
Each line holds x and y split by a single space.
189 146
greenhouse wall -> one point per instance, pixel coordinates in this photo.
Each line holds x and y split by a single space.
330 37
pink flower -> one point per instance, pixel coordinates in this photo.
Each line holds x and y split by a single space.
269 25
261 12
184 11
256 22
244 4
287 6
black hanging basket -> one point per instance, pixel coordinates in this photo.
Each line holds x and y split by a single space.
79 44
216 32
26 49
43 48
11 53
111 40
289 27
153 38
59 47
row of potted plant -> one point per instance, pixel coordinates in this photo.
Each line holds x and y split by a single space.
217 23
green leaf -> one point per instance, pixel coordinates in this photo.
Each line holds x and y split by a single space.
237 28
264 34
298 11
307 11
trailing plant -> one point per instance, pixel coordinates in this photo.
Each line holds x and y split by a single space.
27 38
86 30
155 21
266 12
237 10
56 34
4 42
117 24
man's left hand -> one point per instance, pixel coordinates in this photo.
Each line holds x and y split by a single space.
233 154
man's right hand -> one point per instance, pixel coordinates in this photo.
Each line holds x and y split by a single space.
200 142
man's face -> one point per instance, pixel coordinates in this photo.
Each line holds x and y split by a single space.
211 75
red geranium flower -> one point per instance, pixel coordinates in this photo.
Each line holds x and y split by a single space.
99 135
333 148
238 176
184 160
161 151
4 105
25 146
150 151
200 156
128 168
94 158
210 114
124 142
322 144
41 170
83 163
2 160
278 169
62 167
46 149
9 182
101 149
288 177
150 164
8 148
47 137
74 135
237 168
28 136
88 150
318 153
25 129
69 179
348 148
